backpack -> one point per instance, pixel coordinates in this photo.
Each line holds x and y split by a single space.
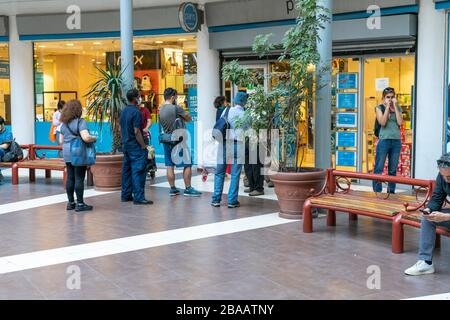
166 138
221 127
14 154
377 126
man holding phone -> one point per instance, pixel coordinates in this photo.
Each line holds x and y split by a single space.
432 216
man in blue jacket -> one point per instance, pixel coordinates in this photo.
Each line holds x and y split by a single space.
135 153
5 141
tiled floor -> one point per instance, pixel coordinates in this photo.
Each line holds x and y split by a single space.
190 250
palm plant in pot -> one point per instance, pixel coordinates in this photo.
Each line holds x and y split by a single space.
282 107
106 101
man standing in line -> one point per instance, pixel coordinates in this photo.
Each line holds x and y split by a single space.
134 151
169 114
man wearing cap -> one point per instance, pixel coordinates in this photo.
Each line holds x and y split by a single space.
232 151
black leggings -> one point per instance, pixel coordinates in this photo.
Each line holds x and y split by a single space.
75 182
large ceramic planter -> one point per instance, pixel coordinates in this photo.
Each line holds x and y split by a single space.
107 172
293 188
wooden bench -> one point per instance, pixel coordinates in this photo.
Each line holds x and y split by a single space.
413 219
35 161
336 197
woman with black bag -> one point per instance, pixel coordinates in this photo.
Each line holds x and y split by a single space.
73 127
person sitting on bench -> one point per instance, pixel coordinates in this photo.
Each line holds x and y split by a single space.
433 216
5 141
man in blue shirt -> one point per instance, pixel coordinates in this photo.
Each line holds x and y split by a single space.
5 141
135 153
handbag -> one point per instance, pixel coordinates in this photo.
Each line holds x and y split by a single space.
81 153
167 138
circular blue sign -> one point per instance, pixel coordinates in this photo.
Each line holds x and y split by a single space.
189 18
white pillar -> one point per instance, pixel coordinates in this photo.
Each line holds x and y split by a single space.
322 140
430 89
126 44
22 86
208 87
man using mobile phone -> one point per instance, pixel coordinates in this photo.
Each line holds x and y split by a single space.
432 216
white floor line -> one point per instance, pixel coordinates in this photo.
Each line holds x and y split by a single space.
443 296
43 201
103 248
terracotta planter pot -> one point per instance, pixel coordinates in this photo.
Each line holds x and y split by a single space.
293 188
107 172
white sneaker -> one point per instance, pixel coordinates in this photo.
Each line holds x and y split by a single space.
420 268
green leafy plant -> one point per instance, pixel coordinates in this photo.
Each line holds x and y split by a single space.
284 105
106 101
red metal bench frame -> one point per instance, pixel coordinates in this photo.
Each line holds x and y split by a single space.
333 186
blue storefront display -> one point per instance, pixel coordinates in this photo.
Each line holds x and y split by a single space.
347 81
346 120
346 139
346 158
347 101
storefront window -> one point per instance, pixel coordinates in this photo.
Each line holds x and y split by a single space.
64 70
5 93
354 104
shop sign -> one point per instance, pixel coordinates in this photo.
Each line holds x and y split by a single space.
4 70
189 17
381 83
347 81
345 159
346 120
347 101
192 103
346 139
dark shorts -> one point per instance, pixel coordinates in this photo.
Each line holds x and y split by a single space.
182 161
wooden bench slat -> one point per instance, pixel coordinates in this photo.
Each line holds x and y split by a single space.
358 201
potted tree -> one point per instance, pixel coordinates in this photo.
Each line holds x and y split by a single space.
106 101
283 106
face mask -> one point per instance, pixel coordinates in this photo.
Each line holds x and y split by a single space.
139 100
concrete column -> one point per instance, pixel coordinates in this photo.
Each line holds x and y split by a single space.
208 87
126 43
22 86
322 139
430 89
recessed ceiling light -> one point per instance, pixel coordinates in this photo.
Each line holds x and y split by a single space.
159 41
97 43
182 39
69 44
41 46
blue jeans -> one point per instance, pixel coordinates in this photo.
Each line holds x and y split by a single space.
236 158
428 237
134 174
389 148
2 153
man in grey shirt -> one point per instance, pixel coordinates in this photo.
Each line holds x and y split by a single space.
169 113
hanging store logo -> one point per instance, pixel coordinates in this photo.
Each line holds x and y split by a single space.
374 20
190 17
138 60
73 22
